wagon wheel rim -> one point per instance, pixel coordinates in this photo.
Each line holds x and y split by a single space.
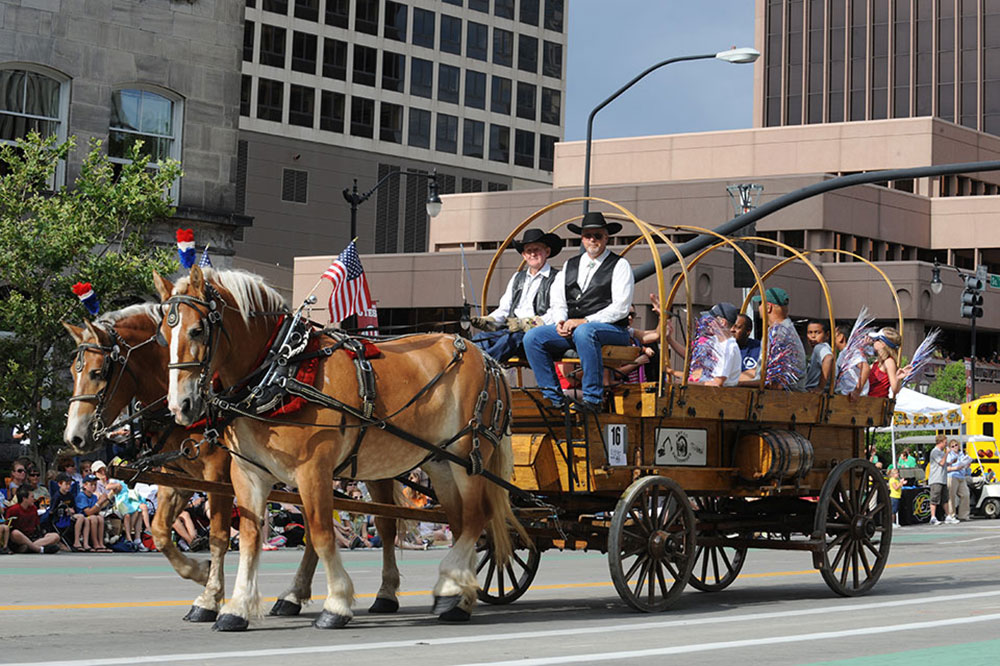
498 584
854 522
715 567
651 543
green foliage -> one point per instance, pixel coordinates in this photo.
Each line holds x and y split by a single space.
91 231
949 384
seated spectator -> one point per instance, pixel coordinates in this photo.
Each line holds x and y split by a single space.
68 466
18 476
89 505
39 492
62 511
26 535
127 504
4 535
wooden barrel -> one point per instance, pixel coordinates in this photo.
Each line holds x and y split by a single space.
773 455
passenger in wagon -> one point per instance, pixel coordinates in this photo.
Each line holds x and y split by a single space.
749 347
590 301
820 368
525 301
886 376
780 328
715 354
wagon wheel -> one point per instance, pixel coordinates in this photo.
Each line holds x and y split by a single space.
502 585
854 521
715 567
651 543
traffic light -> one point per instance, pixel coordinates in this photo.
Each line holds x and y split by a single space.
972 298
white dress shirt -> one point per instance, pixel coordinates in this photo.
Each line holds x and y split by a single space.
525 307
622 285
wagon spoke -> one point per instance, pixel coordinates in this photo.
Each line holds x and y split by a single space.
854 564
640 581
483 561
635 565
489 574
700 552
500 585
715 563
841 551
725 559
846 568
835 504
662 580
511 575
871 546
517 558
672 519
673 572
864 560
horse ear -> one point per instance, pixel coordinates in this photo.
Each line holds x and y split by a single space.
197 278
94 331
75 331
164 287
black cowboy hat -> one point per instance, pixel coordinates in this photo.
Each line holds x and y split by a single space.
538 236
595 220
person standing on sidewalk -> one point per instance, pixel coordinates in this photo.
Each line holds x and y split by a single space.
958 486
937 475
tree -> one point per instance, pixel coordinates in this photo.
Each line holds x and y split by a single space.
950 383
93 231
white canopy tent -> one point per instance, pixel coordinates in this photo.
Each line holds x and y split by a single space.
916 411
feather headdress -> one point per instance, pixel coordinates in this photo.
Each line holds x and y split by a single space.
854 352
86 294
185 247
784 358
922 357
706 346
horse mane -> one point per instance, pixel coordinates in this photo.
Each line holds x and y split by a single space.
109 320
248 289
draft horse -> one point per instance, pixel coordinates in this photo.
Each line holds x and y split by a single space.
431 388
116 362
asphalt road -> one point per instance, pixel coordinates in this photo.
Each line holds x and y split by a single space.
937 602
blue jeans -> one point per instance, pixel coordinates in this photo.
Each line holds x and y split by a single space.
501 345
544 346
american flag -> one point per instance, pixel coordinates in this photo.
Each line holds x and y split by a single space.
205 259
350 287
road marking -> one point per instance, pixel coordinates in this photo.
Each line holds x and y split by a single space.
413 593
615 628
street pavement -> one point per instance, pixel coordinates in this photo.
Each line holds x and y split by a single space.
938 602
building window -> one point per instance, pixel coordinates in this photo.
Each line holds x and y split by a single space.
420 128
421 77
304 52
527 54
246 84
301 105
500 143
366 16
451 34
546 151
307 10
496 187
294 186
335 59
526 101
423 28
503 47
472 184
551 106
500 97
475 89
147 117
393 71
363 117
554 15
337 13
447 133
552 59
529 12
477 40
33 102
276 7
480 6
270 95
248 29
364 65
395 21
391 123
448 83
524 148
331 111
472 138
504 8
272 46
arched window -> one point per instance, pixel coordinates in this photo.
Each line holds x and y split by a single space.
146 116
32 98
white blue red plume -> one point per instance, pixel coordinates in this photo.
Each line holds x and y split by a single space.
705 347
86 294
784 360
185 247
922 357
854 353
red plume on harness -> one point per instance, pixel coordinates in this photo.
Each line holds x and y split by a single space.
86 294
185 247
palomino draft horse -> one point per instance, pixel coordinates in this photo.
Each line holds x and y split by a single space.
116 362
429 387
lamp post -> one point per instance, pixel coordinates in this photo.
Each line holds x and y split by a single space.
737 56
971 307
353 197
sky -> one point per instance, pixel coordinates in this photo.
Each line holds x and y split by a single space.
611 41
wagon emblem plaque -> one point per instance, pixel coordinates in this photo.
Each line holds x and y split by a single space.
676 446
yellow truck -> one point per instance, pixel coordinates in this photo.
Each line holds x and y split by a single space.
982 417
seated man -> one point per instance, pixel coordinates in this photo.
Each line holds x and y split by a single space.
26 534
590 302
525 301
749 347
786 357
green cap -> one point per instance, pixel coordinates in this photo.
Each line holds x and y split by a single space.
775 295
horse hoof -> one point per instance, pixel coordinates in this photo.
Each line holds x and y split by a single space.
328 620
455 615
199 614
384 606
228 622
285 608
444 604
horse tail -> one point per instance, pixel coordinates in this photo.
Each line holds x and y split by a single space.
502 517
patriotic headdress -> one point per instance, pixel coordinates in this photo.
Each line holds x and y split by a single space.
86 294
185 247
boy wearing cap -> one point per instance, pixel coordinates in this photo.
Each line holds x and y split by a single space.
525 301
90 505
820 368
590 301
774 308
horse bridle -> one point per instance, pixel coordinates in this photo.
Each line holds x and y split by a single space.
111 355
211 322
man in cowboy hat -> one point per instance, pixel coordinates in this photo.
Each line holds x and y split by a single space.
525 301
591 298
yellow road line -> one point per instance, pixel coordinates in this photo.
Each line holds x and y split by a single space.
559 586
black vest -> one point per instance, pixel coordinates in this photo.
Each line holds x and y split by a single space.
580 303
541 297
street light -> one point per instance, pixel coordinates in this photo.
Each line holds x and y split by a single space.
353 197
742 55
936 285
971 307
